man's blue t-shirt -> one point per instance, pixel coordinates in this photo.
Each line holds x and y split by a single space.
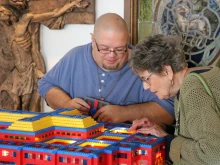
76 73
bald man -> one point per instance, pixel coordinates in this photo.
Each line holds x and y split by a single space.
100 70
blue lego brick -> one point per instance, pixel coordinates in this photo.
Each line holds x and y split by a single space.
5 123
111 149
16 132
19 112
117 135
152 145
7 163
144 141
43 147
79 151
73 116
127 146
34 118
71 129
12 145
92 111
13 132
56 112
79 129
112 125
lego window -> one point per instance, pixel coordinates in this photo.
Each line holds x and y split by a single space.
60 159
122 155
84 162
101 159
5 153
76 161
47 157
28 155
14 154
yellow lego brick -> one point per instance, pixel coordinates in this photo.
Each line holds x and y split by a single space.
60 141
17 115
73 122
93 144
29 126
110 137
12 118
72 112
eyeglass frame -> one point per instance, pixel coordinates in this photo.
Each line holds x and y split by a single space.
146 79
114 51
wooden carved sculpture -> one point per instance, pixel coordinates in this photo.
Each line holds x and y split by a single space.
21 63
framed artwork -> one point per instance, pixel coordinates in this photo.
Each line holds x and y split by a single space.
196 21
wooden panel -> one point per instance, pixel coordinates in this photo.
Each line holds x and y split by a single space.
131 18
79 15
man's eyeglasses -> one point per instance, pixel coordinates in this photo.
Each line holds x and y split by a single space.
146 79
116 51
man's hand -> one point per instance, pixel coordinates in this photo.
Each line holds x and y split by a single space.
110 113
78 104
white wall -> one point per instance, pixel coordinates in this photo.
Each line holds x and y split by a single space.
55 43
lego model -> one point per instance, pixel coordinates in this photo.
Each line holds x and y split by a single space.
95 105
66 137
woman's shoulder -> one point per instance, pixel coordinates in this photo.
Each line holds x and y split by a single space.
193 84
207 73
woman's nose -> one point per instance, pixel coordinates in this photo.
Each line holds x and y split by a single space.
146 86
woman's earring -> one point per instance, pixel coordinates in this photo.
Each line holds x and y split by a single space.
171 82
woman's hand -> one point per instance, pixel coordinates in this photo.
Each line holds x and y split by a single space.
146 126
144 122
155 130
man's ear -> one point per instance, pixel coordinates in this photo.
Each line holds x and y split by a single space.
92 37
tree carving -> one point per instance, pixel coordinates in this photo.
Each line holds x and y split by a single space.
21 63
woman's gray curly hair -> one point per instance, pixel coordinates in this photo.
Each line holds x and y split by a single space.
155 52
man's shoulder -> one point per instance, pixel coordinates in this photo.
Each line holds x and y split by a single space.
80 50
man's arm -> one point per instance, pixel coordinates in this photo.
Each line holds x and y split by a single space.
57 98
153 111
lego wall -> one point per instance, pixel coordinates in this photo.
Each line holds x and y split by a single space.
55 43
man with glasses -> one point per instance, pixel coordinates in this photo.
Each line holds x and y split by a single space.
100 70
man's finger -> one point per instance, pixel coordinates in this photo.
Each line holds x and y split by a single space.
84 104
101 116
105 119
82 109
97 114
